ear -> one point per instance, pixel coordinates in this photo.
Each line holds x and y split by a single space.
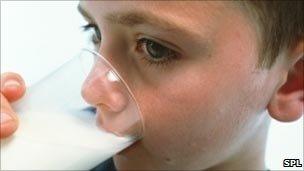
288 102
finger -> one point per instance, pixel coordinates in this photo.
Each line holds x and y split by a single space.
12 86
8 119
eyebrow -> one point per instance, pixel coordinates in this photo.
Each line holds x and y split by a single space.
84 13
133 18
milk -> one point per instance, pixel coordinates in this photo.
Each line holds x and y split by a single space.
56 133
59 141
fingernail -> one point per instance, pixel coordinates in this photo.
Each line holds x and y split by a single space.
5 118
11 83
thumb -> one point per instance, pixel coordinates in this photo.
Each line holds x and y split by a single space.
8 118
12 86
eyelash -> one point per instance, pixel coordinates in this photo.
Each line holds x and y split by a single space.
96 36
141 46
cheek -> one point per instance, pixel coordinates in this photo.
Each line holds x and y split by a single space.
198 116
183 117
166 126
207 109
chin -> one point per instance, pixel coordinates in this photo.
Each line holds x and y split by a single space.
133 157
130 149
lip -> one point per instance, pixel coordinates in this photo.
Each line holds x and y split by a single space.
98 110
124 123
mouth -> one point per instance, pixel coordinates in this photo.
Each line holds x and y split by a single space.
94 111
124 123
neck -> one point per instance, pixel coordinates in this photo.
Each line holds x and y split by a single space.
251 156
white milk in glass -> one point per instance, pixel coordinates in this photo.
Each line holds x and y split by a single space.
65 143
53 140
55 132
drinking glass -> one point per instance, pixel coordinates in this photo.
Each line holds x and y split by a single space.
73 119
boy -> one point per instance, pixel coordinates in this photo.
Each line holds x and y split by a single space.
206 75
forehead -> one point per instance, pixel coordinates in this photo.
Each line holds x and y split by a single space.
197 16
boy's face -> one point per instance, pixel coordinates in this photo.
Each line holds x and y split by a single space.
200 105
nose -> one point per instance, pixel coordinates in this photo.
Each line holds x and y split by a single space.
103 88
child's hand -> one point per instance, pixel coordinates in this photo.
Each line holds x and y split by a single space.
12 89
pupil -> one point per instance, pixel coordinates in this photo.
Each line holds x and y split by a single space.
156 50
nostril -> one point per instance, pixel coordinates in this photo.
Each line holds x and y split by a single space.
106 90
119 101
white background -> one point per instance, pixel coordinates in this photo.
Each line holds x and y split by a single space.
36 37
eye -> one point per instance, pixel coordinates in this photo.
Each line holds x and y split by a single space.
155 52
96 36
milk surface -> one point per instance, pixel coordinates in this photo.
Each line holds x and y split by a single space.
59 141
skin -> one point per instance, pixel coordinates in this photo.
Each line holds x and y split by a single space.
206 110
